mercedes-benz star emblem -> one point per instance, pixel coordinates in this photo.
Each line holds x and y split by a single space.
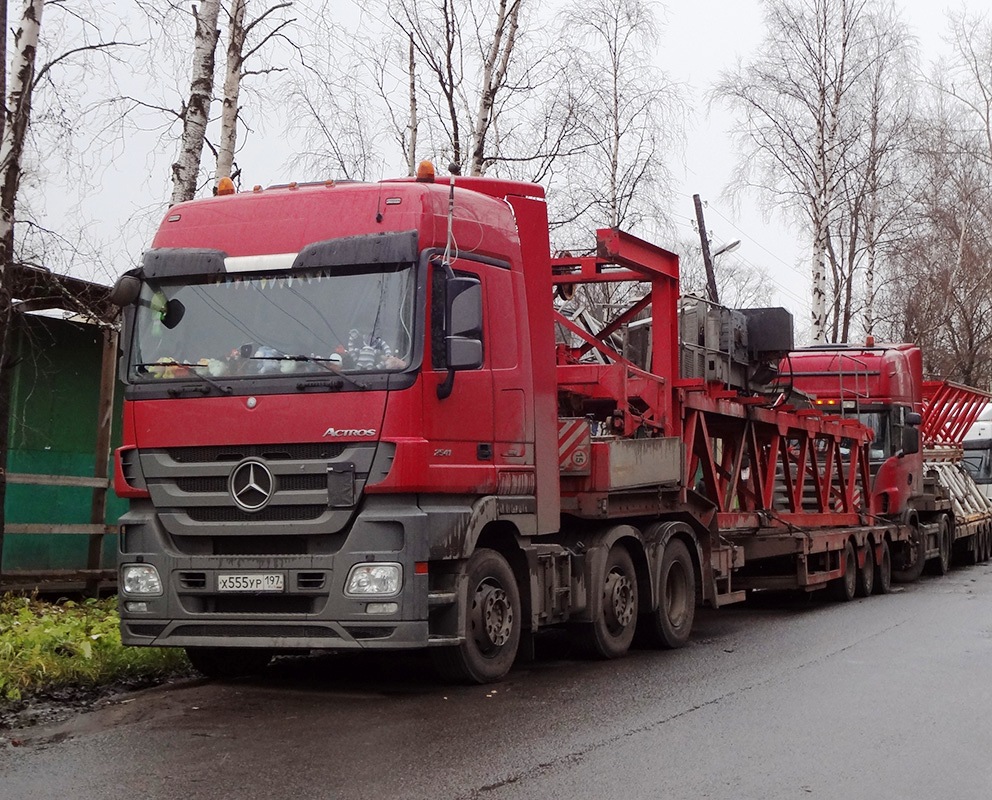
251 485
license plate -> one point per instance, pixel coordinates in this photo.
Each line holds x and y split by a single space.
250 582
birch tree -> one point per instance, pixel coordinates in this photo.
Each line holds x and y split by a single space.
245 39
800 119
17 113
196 110
630 115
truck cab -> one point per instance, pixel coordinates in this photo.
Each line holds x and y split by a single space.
881 387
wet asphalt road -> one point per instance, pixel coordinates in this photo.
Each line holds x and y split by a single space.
889 697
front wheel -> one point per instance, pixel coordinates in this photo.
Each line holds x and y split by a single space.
228 662
492 623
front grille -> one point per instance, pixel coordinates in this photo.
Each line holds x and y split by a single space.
268 514
216 484
308 451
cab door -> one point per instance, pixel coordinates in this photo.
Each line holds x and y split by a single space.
459 429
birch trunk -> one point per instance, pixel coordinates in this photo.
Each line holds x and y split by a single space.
411 150
232 89
493 76
186 169
17 116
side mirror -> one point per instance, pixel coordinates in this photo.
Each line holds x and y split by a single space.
910 439
174 312
125 291
914 419
463 323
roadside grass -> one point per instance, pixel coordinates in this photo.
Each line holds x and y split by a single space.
46 646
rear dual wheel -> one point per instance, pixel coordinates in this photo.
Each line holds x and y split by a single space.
912 556
845 587
866 574
670 624
612 630
943 563
883 570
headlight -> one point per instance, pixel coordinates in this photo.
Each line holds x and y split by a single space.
140 579
382 580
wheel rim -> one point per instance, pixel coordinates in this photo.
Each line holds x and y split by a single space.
492 617
676 594
619 600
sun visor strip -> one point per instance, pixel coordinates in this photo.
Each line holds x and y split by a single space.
375 248
169 262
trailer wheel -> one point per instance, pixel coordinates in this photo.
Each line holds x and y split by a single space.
228 662
883 570
492 623
843 588
943 563
611 632
866 575
671 623
909 562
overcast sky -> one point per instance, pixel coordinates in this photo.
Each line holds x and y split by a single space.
699 39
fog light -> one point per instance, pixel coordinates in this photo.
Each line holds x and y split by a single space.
136 608
379 579
382 608
140 579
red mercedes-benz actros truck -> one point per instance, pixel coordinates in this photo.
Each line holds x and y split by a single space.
357 418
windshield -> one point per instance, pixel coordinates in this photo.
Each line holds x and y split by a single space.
978 460
246 325
879 423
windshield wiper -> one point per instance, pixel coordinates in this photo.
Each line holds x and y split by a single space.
321 362
194 370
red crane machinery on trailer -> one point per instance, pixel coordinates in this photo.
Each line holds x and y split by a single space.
355 420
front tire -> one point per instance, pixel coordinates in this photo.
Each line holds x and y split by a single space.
228 662
492 624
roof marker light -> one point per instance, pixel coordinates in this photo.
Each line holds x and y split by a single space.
425 172
225 186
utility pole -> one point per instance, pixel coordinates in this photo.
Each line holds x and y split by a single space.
707 258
